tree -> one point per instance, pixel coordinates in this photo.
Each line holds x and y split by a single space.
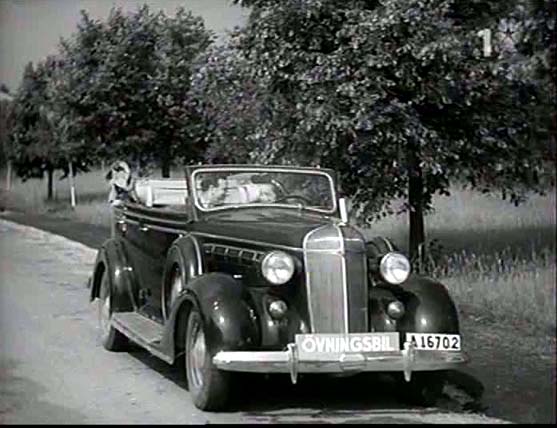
5 104
32 149
39 141
126 83
395 95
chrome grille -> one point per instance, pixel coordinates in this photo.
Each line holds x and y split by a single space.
336 283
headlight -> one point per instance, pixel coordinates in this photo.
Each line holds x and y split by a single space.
277 267
394 268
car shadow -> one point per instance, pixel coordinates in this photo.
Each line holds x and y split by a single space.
262 394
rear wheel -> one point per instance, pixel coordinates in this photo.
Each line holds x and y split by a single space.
208 385
424 388
111 338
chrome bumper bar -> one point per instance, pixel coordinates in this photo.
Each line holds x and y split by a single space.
407 361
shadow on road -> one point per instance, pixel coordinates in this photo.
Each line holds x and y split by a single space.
24 400
260 394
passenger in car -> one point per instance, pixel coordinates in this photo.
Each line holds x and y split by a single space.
221 193
121 183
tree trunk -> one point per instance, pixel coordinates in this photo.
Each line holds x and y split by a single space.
50 184
165 169
9 177
416 213
165 162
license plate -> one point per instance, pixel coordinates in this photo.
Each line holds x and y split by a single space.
441 342
311 344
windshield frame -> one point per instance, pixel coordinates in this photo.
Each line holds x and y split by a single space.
286 170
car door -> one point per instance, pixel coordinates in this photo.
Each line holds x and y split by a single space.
139 244
155 229
158 238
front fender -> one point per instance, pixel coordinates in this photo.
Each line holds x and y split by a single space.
185 253
112 259
429 307
226 310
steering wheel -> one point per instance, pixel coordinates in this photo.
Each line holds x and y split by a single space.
305 200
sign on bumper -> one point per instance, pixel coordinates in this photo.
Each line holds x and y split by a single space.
311 344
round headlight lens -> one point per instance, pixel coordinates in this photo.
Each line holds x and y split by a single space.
394 268
277 267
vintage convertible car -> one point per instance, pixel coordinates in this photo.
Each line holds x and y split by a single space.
256 269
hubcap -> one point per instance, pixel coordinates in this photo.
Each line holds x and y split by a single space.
197 356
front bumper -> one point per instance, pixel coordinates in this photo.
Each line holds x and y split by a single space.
407 360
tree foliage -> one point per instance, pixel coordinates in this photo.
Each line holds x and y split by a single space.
34 129
230 102
395 95
125 83
5 107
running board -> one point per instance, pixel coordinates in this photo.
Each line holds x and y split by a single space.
141 330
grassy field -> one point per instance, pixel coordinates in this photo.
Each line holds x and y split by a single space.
498 260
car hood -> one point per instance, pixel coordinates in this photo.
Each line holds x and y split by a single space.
285 227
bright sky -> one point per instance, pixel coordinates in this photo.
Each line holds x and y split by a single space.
31 29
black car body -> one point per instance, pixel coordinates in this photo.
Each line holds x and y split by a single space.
269 286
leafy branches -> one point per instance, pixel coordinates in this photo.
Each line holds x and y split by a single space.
395 95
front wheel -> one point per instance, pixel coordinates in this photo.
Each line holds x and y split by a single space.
111 338
208 385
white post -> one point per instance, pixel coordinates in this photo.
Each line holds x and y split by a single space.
9 177
72 186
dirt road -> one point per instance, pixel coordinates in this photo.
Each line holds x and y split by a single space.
54 370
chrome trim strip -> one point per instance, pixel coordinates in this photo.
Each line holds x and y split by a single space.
256 254
245 241
366 278
260 169
357 284
344 279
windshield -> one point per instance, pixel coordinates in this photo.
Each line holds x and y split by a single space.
220 188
